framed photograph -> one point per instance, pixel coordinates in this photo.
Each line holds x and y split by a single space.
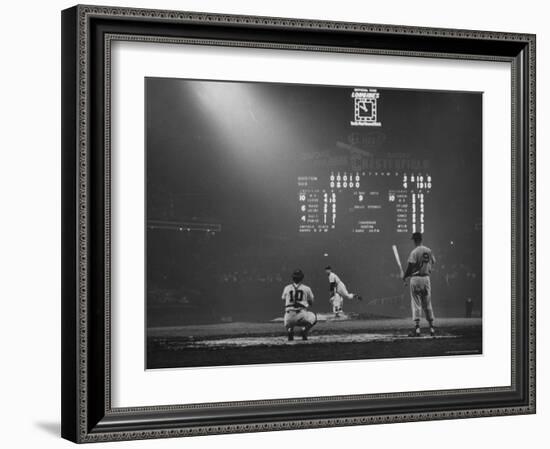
276 224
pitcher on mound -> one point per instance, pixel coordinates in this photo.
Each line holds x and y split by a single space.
338 292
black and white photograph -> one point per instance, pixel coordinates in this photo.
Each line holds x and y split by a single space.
310 223
275 219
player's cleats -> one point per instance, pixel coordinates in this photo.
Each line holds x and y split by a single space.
290 335
432 331
415 332
304 336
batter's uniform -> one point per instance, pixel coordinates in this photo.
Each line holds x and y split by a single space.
340 288
421 291
297 298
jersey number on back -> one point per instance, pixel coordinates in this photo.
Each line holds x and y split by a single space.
425 258
296 296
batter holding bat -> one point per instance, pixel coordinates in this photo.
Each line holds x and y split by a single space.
419 268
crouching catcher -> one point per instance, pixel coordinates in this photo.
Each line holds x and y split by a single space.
298 299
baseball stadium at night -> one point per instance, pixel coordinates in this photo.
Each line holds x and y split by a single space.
247 183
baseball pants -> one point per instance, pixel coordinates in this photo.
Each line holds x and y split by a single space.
337 303
300 318
421 298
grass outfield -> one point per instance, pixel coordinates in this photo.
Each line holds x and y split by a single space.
254 343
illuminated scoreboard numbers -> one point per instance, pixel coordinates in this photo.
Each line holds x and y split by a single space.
325 207
418 181
332 210
413 211
364 202
421 196
419 186
417 212
328 210
344 180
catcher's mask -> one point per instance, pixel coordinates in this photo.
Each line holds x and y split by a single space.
297 276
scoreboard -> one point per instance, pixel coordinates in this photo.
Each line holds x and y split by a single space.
363 202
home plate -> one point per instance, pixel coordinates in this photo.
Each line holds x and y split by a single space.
312 339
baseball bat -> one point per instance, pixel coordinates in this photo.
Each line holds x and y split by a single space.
396 255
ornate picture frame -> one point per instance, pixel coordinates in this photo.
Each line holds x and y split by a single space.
87 35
